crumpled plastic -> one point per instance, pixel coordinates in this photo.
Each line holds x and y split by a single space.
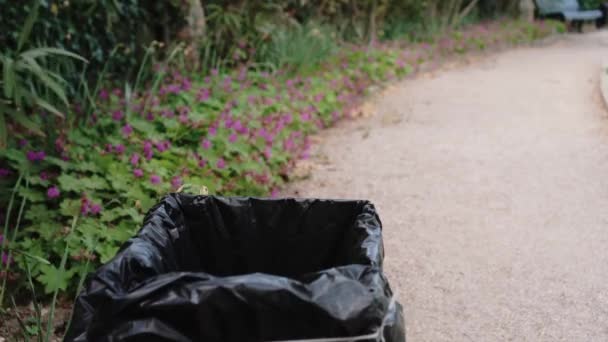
209 268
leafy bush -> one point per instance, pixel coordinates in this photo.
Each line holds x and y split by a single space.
30 83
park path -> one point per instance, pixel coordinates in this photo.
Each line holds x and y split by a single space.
491 179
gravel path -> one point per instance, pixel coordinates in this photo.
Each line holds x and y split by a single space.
492 182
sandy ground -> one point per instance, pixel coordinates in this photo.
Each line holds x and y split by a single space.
492 183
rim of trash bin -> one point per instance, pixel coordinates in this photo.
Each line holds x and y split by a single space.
378 335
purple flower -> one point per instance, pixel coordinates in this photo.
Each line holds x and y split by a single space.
117 115
127 130
148 152
103 94
138 173
215 72
162 146
134 159
212 130
268 152
150 116
233 137
6 259
237 125
221 163
203 94
95 209
186 84
120 148
22 143
183 118
35 156
176 182
274 193
202 163
53 192
5 172
155 179
206 144
305 116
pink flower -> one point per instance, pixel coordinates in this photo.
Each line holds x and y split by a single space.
120 148
268 152
53 192
117 115
35 156
103 94
176 182
155 179
134 159
305 116
233 137
148 152
183 118
203 94
127 130
221 163
138 173
6 259
206 144
274 193
162 146
202 163
95 209
84 206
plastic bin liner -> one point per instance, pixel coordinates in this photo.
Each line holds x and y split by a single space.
207 268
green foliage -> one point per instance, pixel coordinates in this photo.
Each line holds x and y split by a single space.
30 82
300 47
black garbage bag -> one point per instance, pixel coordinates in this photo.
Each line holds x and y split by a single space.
206 268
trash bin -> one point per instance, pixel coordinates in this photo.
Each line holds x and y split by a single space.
207 268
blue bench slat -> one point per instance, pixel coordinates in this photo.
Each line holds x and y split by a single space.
582 15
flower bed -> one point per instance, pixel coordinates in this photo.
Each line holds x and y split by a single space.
237 133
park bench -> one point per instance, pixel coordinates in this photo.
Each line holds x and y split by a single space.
568 11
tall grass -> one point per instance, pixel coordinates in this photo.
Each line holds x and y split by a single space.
300 47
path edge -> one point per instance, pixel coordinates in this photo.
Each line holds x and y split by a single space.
604 83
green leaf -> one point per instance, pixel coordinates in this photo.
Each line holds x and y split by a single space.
58 162
106 252
35 69
3 136
42 103
71 183
32 256
45 51
31 194
113 214
24 121
8 77
54 278
69 207
28 25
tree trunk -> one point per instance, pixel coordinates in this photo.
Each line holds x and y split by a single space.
196 27
526 10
